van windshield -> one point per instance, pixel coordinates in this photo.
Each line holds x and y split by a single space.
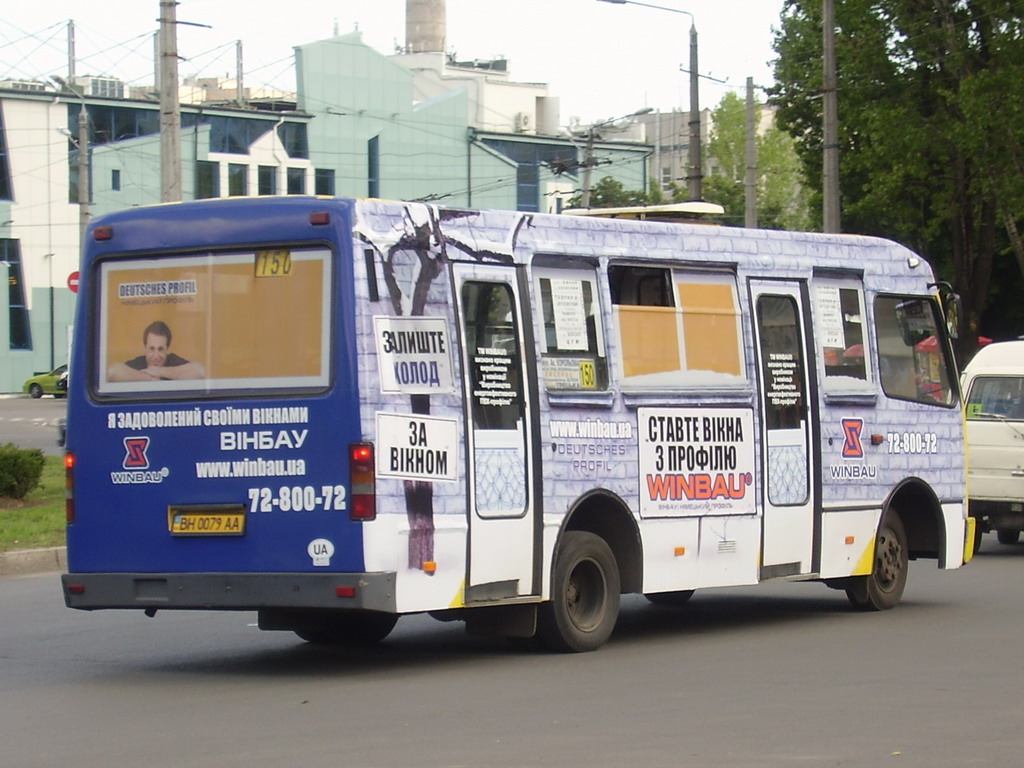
996 397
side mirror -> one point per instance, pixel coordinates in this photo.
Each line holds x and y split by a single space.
952 309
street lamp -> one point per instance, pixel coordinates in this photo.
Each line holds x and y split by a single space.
588 163
695 174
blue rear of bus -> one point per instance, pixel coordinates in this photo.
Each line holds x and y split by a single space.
245 469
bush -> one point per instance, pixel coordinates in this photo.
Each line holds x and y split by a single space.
20 470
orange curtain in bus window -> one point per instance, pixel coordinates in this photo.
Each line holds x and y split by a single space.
650 340
222 316
710 327
267 326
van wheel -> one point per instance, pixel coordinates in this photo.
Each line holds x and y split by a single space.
584 603
883 587
1007 536
351 628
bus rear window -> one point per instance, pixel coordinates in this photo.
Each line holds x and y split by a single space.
214 322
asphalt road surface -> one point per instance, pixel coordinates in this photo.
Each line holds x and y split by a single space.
775 676
31 423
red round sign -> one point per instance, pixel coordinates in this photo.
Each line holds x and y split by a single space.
73 281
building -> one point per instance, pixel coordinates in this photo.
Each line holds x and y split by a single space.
416 126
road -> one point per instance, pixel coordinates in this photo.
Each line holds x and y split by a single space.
774 676
31 423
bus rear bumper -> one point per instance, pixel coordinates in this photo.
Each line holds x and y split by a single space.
230 591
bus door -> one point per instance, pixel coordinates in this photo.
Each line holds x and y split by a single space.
499 382
788 424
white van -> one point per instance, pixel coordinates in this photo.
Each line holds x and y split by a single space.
994 387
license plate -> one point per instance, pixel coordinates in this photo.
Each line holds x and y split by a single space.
207 520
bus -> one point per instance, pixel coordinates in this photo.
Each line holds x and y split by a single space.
335 412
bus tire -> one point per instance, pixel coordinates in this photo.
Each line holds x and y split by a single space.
883 588
351 628
1007 535
584 603
670 598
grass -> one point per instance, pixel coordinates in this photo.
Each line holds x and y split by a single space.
38 519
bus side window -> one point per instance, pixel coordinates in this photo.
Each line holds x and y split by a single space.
839 330
912 350
572 338
676 328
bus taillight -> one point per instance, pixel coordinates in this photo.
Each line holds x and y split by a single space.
363 480
69 487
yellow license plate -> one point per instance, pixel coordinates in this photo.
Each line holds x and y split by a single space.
217 520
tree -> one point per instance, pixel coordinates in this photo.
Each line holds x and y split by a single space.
611 193
931 96
782 202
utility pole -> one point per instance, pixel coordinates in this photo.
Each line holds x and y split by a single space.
830 127
750 178
694 154
170 110
588 164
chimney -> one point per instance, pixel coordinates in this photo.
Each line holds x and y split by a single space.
424 26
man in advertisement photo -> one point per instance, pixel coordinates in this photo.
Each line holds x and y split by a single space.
157 363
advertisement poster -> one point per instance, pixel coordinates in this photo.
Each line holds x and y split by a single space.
414 354
254 320
696 461
417 447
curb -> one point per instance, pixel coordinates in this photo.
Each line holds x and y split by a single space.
23 562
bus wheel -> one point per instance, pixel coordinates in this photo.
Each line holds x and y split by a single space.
670 598
1007 536
584 603
883 588
351 628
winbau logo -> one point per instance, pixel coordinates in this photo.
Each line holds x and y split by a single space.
136 464
852 448
135 453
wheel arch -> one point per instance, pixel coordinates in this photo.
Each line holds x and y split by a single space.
605 514
920 512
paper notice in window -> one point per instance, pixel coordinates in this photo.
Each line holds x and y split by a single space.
570 314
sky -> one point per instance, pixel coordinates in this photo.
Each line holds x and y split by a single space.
602 60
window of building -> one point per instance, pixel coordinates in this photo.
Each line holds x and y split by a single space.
530 158
572 345
21 330
234 135
913 360
238 180
373 166
293 137
323 181
6 191
839 320
676 328
207 179
296 181
115 180
267 180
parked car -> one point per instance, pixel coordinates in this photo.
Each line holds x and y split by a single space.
46 383
994 385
